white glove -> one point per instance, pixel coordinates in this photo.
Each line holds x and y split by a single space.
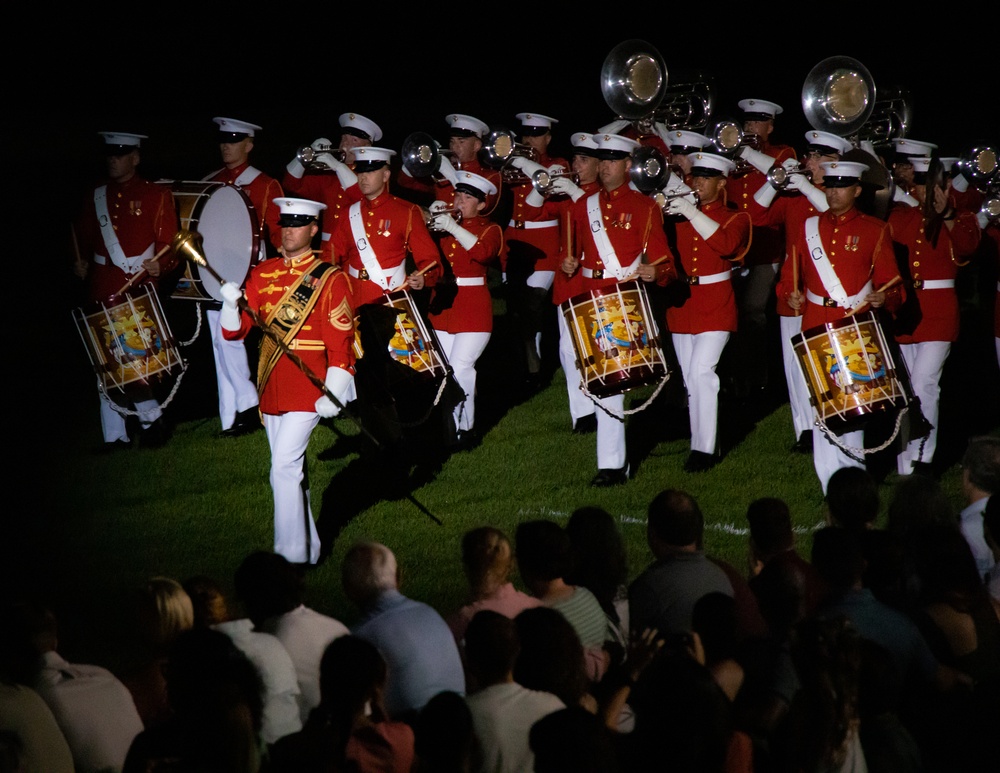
679 205
983 220
295 168
438 206
443 222
344 173
660 130
701 222
527 166
568 187
904 198
614 127
229 317
447 171
534 198
556 169
960 183
816 197
338 381
759 161
463 236
321 143
765 195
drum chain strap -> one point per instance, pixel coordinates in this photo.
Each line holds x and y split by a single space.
197 328
645 404
859 454
437 399
122 411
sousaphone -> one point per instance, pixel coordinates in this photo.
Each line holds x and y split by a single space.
633 79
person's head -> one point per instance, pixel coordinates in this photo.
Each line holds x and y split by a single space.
544 551
572 739
208 600
367 571
947 568
299 223
981 467
917 501
356 131
852 498
236 140
584 160
269 585
709 174
842 181
600 558
674 522
615 159
713 618
465 136
785 594
163 610
371 165
822 147
770 528
837 557
491 647
551 657
905 150
536 131
444 735
758 117
487 558
683 145
121 155
352 673
471 192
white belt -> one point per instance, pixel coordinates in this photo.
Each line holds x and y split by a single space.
529 224
710 279
819 300
589 273
830 303
470 281
395 282
934 284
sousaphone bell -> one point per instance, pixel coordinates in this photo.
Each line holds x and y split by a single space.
633 79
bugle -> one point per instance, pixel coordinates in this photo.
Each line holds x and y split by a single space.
499 148
663 198
431 214
779 176
978 166
421 155
309 156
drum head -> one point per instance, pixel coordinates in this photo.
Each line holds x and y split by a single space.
228 234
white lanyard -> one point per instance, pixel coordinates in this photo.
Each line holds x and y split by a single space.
129 265
607 252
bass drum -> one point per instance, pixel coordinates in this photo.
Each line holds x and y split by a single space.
616 339
850 371
230 230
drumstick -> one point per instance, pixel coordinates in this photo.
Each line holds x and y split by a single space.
795 276
426 268
138 275
895 280
656 262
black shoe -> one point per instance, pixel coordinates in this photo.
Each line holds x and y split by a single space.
465 440
115 445
925 469
804 445
699 461
585 425
155 435
246 422
610 477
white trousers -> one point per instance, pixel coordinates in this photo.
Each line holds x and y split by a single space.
798 390
698 356
828 456
295 535
611 433
462 351
232 373
579 404
113 423
925 363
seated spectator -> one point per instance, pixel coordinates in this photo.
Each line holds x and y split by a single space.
350 725
573 739
980 480
991 533
663 596
488 560
265 651
94 710
445 737
552 658
272 591
418 646
503 711
714 620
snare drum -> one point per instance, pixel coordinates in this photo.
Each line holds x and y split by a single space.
616 338
129 343
230 229
850 371
412 342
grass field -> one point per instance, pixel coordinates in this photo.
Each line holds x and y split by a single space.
83 527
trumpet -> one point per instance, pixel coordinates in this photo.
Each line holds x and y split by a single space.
500 147
779 177
541 179
432 214
309 156
663 198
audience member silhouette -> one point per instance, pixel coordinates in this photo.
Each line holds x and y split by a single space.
445 736
551 657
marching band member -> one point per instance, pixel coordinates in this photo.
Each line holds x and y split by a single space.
337 185
464 328
936 237
754 282
123 224
838 260
766 207
615 227
682 143
711 239
904 151
532 239
238 401
307 302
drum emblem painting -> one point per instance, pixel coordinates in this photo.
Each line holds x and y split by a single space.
855 363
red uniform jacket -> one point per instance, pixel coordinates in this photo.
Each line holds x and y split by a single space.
859 248
325 187
710 306
143 214
326 338
261 191
540 244
768 240
565 287
472 309
442 190
395 228
938 306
